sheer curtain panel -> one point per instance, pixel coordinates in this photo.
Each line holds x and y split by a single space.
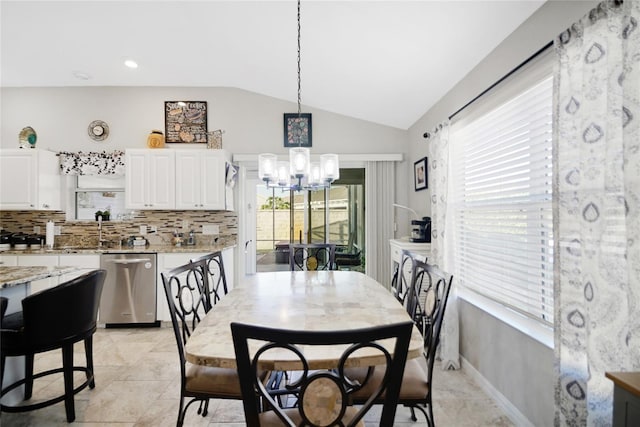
441 245
597 202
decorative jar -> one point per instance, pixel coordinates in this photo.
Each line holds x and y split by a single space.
155 139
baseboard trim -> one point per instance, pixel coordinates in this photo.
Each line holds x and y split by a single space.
507 407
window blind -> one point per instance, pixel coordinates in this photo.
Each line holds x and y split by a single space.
501 200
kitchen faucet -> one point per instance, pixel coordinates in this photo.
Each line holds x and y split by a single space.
99 231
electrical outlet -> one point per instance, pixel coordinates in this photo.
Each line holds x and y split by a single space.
210 229
143 230
57 230
36 229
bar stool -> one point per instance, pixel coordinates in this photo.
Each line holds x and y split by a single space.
55 318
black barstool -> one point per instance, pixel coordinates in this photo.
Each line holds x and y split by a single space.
54 318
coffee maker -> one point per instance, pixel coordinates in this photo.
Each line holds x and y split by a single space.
421 230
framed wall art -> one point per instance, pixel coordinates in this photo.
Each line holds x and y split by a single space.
185 122
420 174
297 130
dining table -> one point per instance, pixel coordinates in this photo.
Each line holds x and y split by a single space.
300 300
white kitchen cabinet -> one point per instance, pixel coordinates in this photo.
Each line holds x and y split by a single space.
8 260
150 179
40 260
200 179
85 263
421 251
29 180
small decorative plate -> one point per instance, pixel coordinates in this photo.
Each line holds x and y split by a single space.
98 130
27 137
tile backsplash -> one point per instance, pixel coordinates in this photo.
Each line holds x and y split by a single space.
85 233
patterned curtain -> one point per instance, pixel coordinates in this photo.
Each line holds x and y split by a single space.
440 247
597 203
92 163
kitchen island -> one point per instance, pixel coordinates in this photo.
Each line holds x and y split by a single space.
13 276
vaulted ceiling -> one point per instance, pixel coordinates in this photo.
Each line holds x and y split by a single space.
381 61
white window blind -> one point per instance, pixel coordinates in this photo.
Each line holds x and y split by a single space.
501 199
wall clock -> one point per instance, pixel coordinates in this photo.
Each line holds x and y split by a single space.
98 130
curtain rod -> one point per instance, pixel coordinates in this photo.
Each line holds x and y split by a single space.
526 61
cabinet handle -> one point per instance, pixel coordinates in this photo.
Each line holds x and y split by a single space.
46 206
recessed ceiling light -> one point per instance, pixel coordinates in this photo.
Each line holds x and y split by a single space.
131 63
81 75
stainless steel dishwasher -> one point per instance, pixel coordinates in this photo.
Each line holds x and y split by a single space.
129 293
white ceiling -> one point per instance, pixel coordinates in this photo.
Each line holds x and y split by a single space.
383 61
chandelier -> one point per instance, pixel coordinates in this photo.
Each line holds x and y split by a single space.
299 173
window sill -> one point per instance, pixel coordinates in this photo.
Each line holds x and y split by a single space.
541 333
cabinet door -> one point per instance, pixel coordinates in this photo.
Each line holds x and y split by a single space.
85 263
49 192
39 260
162 180
8 260
18 180
29 180
135 179
213 181
188 180
150 179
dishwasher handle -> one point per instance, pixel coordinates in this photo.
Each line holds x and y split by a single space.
129 260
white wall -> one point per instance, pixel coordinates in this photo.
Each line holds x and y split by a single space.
253 123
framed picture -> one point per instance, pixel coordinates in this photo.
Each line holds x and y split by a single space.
420 174
185 122
297 130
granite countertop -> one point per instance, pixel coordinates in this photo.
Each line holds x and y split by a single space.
125 249
13 276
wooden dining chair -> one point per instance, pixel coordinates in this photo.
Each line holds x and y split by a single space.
312 256
324 397
217 279
186 288
426 303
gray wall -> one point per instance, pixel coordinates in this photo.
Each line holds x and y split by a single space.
520 368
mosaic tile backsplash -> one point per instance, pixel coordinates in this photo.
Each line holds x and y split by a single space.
85 233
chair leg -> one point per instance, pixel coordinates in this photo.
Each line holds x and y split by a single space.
28 376
88 351
67 366
3 360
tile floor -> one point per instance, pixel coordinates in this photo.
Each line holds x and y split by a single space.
137 385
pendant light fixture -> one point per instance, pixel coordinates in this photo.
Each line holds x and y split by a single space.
299 173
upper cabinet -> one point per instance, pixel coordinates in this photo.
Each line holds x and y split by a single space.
150 179
200 179
29 180
181 179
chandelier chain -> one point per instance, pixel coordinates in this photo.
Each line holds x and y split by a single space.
299 91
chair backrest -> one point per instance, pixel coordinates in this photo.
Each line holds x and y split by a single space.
63 313
217 279
312 256
401 281
427 301
186 290
323 394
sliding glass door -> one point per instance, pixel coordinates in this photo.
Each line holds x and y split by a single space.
335 215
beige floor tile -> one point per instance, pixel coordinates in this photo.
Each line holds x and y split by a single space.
137 385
